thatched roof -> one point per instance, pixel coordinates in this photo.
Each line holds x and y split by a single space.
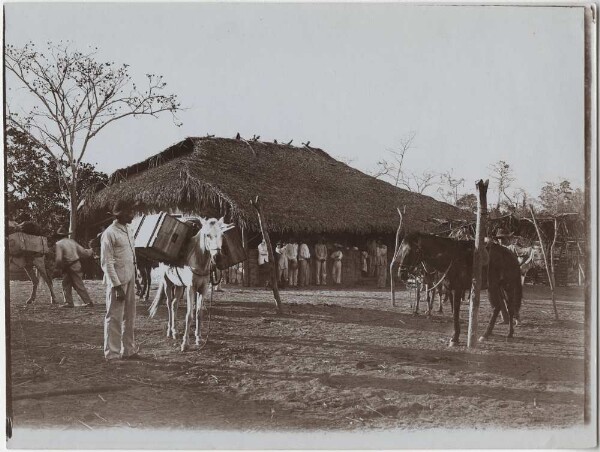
302 189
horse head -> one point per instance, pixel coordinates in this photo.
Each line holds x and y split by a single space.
211 235
409 252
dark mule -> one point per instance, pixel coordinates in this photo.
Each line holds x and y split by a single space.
143 279
454 258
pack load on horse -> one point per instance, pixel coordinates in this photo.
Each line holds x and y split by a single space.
454 258
27 248
212 246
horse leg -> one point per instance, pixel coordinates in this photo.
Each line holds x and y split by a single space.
198 317
503 307
174 306
169 294
30 270
456 314
418 299
508 303
440 296
429 300
48 280
491 324
148 273
188 317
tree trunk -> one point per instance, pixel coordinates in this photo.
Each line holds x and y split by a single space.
480 233
263 228
73 202
548 269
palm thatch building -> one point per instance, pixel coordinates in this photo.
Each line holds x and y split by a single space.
305 192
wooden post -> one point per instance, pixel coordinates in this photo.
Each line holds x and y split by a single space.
392 288
548 269
263 228
246 265
552 252
478 256
581 272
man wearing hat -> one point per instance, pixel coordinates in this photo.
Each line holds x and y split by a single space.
502 236
68 255
117 259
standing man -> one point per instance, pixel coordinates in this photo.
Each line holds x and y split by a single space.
282 264
291 251
263 264
68 255
381 264
117 258
336 268
303 257
321 255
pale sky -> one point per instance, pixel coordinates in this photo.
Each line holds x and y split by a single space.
476 84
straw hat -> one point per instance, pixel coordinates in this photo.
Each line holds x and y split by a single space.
503 233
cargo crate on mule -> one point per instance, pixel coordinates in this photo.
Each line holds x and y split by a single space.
160 237
21 244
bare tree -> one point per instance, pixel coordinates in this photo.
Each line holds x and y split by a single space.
392 169
419 182
502 174
73 98
449 185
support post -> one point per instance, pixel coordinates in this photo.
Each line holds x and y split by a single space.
552 252
246 265
264 230
478 258
548 269
392 288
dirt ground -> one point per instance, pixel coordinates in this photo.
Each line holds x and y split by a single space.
333 360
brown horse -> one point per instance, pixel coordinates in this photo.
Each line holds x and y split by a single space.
454 258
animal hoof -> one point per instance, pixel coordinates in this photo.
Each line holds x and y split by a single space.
184 347
453 343
482 338
30 301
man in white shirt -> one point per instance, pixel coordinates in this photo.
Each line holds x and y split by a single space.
303 257
321 269
282 264
291 251
117 259
263 264
68 255
336 268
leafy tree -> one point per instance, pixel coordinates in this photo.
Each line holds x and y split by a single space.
467 202
502 174
560 197
75 97
33 183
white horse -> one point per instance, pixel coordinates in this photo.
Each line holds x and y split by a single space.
201 256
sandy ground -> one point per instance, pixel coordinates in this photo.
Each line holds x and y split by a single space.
332 360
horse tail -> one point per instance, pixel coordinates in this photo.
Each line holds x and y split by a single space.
160 293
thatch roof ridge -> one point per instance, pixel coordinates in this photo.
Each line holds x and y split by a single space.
304 189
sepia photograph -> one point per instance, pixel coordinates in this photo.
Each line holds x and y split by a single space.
300 225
